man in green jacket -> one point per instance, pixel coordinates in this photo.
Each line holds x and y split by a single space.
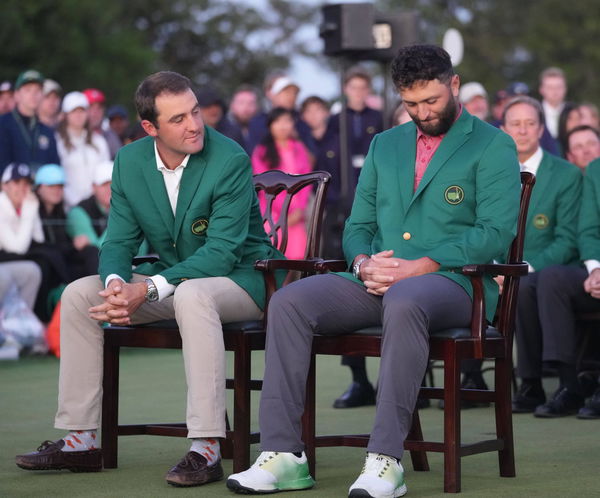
434 194
188 190
566 291
550 239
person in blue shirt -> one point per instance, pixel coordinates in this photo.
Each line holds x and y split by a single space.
23 139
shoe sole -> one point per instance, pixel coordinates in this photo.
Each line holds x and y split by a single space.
190 484
556 415
236 486
586 416
363 493
64 467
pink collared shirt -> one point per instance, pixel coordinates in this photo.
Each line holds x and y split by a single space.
426 147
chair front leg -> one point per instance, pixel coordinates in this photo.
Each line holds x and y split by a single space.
309 417
110 405
504 428
451 418
241 405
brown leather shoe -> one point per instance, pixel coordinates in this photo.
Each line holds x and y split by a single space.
193 470
49 456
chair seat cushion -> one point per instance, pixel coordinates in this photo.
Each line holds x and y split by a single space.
454 333
244 326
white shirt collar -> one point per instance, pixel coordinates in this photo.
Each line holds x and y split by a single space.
533 163
159 162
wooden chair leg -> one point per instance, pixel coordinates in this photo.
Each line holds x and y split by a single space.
241 406
309 418
451 418
110 406
418 457
504 428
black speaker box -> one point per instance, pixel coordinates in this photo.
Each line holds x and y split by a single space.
347 27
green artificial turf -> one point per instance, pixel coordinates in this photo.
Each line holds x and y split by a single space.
558 458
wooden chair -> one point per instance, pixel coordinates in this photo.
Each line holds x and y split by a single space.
452 346
241 337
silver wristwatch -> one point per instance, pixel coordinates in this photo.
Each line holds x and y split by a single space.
152 292
356 267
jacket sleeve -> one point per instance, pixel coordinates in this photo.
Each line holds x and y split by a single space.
589 218
361 226
123 235
497 190
563 248
228 225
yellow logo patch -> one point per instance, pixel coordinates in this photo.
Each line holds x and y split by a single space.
540 221
199 226
454 195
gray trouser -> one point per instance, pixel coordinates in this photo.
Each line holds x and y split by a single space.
548 302
330 304
25 275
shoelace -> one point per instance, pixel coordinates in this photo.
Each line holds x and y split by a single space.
378 465
45 445
265 456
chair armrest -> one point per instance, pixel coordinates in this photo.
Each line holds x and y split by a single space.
325 265
304 265
510 269
478 315
138 260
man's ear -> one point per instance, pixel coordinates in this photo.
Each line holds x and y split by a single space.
455 84
149 127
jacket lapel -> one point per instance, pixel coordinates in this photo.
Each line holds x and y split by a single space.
406 153
190 181
156 186
456 136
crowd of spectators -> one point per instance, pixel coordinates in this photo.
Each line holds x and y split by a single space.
56 153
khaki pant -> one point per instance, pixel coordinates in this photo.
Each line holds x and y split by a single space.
199 306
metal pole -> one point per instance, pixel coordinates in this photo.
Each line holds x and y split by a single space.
345 166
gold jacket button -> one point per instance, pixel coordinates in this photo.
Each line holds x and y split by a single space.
406 236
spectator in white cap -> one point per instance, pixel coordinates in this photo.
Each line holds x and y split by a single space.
80 149
49 109
281 91
474 97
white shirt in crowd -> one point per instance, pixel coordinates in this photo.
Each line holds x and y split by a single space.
18 231
551 115
78 164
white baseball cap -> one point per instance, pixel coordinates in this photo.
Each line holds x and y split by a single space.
74 100
470 90
281 83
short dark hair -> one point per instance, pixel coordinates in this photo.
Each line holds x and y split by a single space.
525 99
154 85
357 72
313 99
577 129
421 63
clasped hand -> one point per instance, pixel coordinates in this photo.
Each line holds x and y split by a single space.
382 270
121 300
592 283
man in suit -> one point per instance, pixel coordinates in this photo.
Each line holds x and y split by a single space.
188 190
434 194
550 239
570 290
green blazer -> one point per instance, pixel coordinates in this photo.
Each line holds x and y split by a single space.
589 214
217 229
551 229
464 210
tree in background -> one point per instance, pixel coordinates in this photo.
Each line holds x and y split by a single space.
113 45
514 40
